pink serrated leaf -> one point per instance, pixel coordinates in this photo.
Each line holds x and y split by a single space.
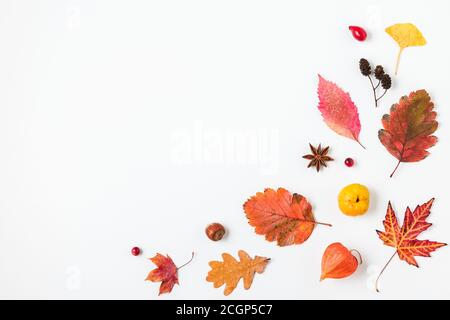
338 110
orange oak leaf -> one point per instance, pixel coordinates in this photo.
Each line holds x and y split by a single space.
230 271
281 216
404 238
338 262
166 272
408 128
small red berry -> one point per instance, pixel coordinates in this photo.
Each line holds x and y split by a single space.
135 251
349 162
358 33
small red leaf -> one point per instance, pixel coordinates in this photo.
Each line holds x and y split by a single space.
166 272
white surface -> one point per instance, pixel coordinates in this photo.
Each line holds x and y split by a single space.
113 114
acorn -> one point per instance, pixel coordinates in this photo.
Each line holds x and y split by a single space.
215 231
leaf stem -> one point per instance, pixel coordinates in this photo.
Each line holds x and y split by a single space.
360 144
359 255
379 82
382 95
396 167
382 270
398 61
315 222
323 224
192 257
374 91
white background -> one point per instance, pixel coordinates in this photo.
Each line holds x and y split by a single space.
114 120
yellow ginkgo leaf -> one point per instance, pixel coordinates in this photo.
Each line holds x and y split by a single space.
406 35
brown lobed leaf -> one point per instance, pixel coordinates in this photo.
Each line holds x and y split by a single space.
408 128
230 271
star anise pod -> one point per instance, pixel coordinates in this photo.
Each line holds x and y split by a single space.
318 158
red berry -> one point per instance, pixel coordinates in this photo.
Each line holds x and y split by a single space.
349 162
135 251
358 33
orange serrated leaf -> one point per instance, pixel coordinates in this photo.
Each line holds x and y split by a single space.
281 216
230 271
404 239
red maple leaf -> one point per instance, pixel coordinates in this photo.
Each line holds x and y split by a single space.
166 272
404 239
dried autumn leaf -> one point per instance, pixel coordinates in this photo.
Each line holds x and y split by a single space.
230 271
406 35
338 262
281 216
404 239
408 128
166 272
338 110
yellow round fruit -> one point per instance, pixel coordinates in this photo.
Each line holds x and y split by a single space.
354 199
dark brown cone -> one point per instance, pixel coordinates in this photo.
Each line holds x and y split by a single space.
386 82
365 67
379 72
